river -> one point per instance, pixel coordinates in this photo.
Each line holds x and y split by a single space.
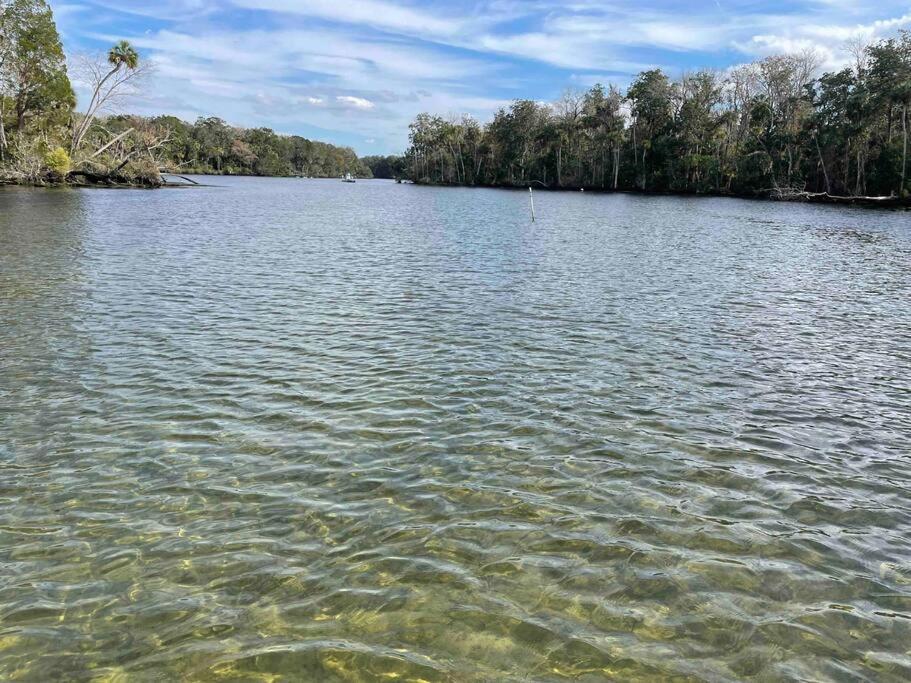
307 430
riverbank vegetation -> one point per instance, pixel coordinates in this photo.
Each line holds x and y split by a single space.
766 128
44 139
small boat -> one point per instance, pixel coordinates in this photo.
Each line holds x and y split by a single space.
348 178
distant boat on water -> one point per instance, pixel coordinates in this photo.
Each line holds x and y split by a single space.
348 178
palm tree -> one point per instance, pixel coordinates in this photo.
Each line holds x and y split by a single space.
123 54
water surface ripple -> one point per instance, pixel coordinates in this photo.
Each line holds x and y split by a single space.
303 430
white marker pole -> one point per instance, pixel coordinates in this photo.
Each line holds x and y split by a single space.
531 198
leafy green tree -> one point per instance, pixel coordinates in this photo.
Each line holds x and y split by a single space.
831 126
33 76
697 164
651 98
890 77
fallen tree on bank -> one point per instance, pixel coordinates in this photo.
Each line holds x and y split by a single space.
798 195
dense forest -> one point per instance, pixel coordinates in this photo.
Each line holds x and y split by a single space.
44 139
389 167
768 128
211 146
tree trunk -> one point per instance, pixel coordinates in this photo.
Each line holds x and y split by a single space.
115 140
455 164
901 190
848 164
790 164
858 189
20 118
560 164
644 176
822 162
3 142
616 165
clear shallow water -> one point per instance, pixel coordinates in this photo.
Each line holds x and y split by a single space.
303 430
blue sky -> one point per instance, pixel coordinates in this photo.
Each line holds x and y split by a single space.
356 72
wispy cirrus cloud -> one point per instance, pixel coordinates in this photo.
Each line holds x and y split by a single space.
381 14
359 70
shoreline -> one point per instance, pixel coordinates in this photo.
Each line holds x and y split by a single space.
763 196
115 185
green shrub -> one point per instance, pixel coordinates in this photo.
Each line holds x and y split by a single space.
58 162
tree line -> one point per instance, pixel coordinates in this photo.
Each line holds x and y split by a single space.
391 167
769 127
43 138
211 146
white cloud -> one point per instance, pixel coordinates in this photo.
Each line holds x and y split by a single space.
847 32
828 41
356 102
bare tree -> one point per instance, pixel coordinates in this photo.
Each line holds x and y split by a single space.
857 48
112 78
